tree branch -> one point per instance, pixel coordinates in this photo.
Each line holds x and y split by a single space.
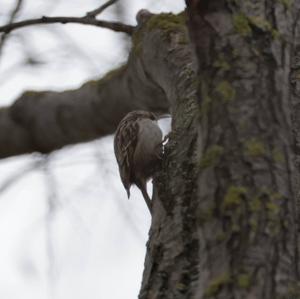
99 10
115 26
154 78
46 121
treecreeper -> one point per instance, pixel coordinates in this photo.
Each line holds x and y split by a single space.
138 149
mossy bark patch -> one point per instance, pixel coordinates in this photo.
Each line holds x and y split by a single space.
211 157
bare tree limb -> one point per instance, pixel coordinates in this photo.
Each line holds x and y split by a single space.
46 121
99 10
115 26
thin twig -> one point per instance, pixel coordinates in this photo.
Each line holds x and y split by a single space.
95 12
18 175
115 26
51 202
15 11
12 17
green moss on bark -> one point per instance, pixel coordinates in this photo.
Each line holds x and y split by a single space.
234 196
108 76
33 93
211 157
286 3
241 25
222 64
264 25
254 148
226 91
217 284
278 155
255 205
244 281
115 72
168 23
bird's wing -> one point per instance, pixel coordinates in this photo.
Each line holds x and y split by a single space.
124 146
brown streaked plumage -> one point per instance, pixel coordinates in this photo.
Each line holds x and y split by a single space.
138 149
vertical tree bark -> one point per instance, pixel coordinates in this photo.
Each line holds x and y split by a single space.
225 219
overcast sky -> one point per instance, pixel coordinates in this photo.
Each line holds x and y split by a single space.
67 229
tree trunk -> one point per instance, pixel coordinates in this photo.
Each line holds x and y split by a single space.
225 219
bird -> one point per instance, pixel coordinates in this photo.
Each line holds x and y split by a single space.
138 149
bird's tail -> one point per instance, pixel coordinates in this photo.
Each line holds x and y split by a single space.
143 187
128 193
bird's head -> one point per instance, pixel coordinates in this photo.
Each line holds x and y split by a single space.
139 114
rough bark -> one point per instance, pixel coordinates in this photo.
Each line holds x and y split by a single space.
225 203
225 214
